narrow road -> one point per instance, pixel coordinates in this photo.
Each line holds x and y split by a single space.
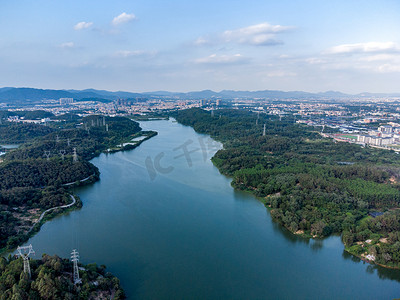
82 180
50 209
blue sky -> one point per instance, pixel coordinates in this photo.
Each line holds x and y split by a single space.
176 45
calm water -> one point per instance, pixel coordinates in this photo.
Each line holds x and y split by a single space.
173 228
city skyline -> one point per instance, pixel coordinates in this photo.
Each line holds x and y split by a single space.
178 46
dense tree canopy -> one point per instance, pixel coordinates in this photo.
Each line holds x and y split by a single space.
36 176
52 279
312 185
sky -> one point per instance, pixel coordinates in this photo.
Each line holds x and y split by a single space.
185 45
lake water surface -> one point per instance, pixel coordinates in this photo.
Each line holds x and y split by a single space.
169 225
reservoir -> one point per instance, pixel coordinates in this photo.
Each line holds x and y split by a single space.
169 225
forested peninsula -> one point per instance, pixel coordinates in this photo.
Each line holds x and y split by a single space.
50 160
311 185
52 279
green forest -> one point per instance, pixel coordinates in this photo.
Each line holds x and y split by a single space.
51 278
312 185
38 174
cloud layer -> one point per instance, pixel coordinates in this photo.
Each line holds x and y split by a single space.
221 59
263 34
123 18
83 25
370 47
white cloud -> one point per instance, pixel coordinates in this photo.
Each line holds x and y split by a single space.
263 34
67 45
260 34
371 47
201 41
380 57
128 53
123 18
280 73
372 57
221 59
389 68
83 25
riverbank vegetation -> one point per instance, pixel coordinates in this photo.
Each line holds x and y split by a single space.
313 186
39 174
52 278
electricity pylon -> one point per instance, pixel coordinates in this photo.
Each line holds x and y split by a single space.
75 156
24 252
47 154
62 153
75 259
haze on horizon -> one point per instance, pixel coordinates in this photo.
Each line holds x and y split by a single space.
177 45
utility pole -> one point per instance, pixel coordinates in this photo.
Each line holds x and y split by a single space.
24 252
75 156
75 259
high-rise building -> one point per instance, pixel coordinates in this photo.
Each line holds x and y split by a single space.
66 101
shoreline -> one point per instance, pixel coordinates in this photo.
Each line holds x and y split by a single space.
302 235
51 213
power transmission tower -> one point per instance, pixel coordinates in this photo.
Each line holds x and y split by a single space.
264 131
258 116
107 127
75 156
24 252
62 153
212 113
47 154
57 138
75 259
68 142
104 120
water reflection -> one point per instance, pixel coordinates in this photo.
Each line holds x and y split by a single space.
383 273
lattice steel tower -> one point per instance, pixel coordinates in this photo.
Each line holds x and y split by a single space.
75 259
75 156
24 252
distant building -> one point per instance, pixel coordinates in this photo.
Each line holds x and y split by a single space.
385 129
66 101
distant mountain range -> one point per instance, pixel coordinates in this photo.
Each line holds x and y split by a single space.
26 95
